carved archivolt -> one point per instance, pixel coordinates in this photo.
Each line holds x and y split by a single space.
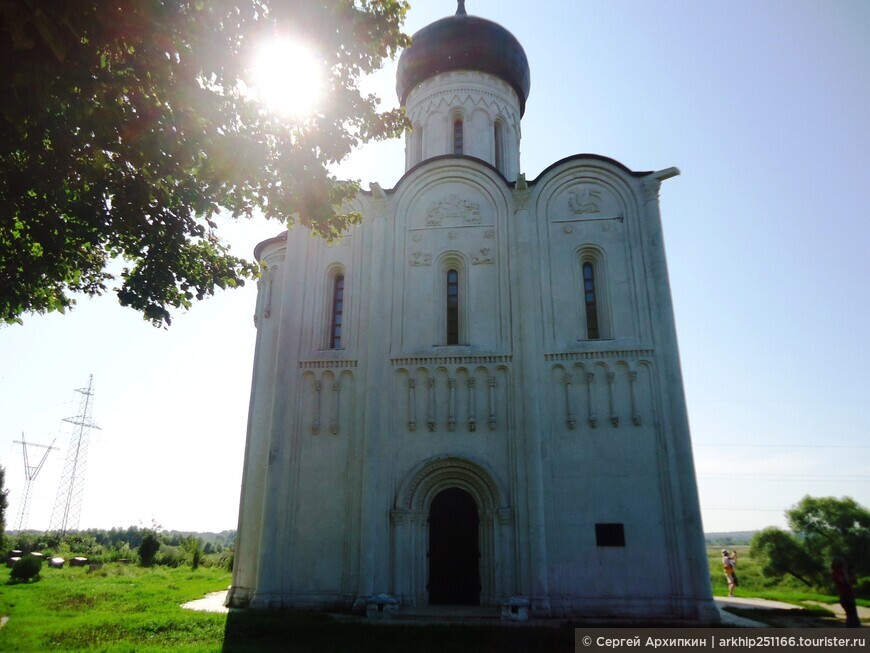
430 477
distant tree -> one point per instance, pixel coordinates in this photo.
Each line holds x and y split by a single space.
834 527
148 549
822 528
125 129
193 546
782 553
4 503
80 543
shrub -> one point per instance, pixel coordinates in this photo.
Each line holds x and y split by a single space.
26 569
170 556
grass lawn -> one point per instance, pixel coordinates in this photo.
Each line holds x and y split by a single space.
753 584
124 608
117 608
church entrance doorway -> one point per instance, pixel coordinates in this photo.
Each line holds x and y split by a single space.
454 549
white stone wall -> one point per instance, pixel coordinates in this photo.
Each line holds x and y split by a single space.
549 431
479 100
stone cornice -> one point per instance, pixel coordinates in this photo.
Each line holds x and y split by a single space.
592 355
405 361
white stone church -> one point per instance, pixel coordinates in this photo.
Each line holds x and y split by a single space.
475 398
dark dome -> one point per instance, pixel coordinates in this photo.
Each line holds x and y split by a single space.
463 42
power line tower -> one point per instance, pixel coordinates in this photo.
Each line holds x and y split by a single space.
68 505
30 474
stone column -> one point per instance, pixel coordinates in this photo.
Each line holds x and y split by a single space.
527 338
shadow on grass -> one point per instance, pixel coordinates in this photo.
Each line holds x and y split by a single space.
299 631
809 617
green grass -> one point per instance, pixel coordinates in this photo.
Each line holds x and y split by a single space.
118 608
124 609
753 584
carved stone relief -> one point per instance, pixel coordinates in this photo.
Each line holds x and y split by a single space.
482 256
454 208
584 199
420 259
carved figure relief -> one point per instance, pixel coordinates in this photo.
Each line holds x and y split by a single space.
482 257
420 259
584 199
453 208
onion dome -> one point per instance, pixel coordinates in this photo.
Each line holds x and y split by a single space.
463 42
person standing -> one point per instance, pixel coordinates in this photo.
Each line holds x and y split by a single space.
729 565
843 579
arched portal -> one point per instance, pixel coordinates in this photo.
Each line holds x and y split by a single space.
454 549
436 496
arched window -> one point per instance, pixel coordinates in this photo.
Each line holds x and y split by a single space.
337 315
417 145
452 307
458 136
498 138
590 299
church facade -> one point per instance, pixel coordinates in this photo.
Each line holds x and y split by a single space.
475 397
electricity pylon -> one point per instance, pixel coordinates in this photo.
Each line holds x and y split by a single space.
68 505
30 474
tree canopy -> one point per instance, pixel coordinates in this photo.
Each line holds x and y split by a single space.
125 129
822 528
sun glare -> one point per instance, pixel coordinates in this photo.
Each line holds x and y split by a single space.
288 78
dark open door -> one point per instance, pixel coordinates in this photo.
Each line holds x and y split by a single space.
454 552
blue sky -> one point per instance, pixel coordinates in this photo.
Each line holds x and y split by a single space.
762 105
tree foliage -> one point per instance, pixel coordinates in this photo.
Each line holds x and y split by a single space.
148 548
822 528
125 130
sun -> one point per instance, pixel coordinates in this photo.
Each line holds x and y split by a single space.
288 78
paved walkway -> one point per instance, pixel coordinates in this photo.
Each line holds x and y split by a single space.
754 604
837 609
214 602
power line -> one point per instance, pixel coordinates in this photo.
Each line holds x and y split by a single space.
743 509
784 446
788 477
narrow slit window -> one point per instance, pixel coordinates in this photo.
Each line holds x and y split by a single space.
498 136
458 136
337 313
417 145
452 307
590 297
